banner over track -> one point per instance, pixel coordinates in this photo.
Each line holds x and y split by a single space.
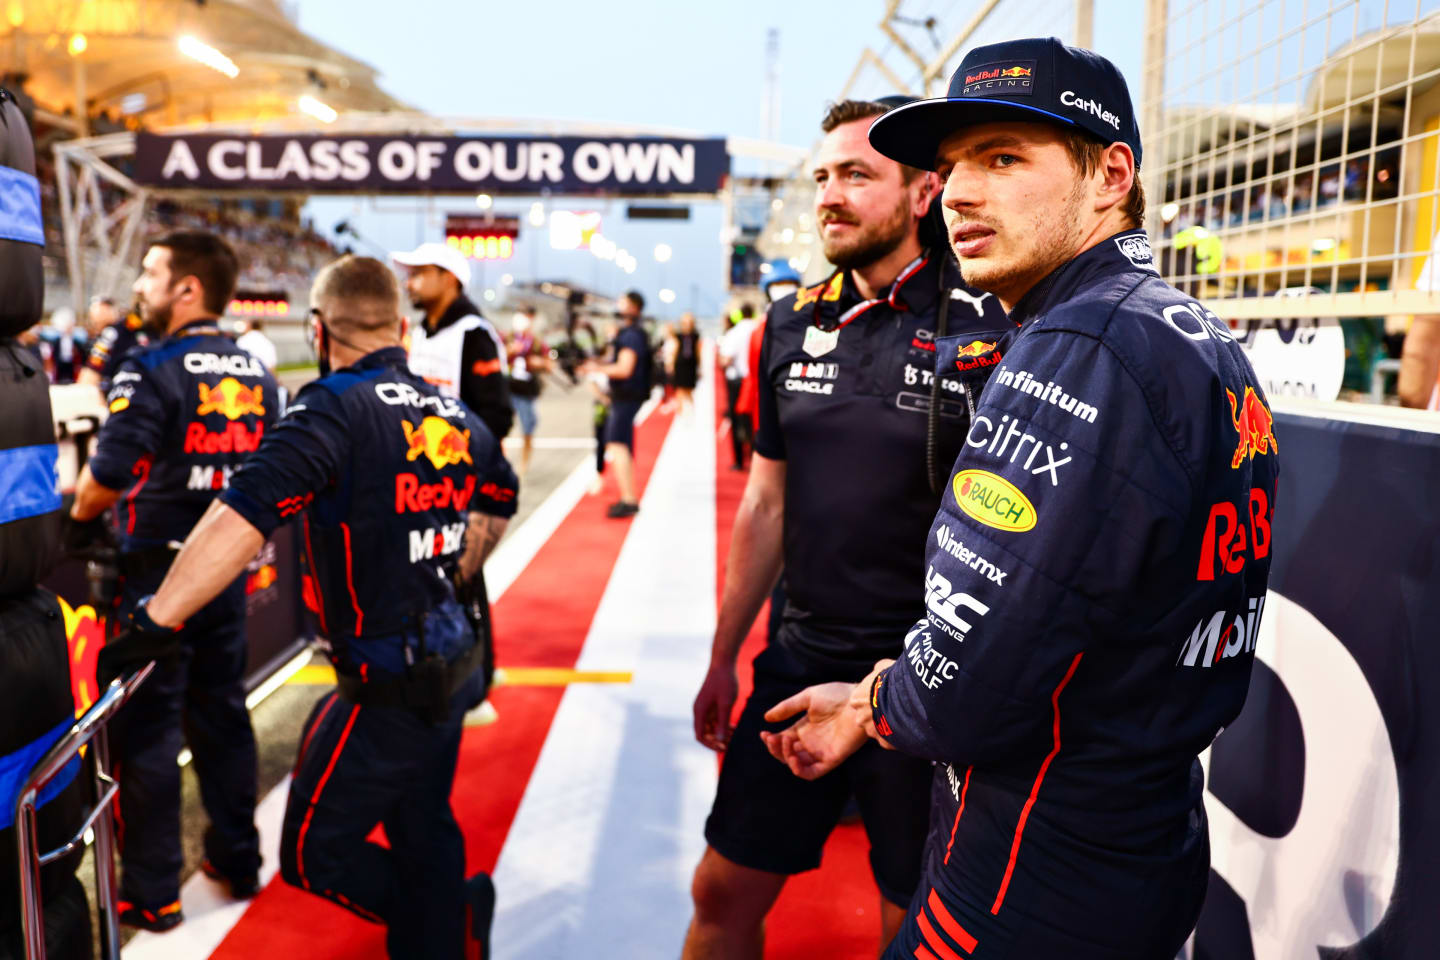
417 164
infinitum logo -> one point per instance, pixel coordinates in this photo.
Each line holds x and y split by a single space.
1048 392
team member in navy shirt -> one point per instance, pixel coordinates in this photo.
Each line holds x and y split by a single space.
841 494
401 493
185 412
629 370
1096 573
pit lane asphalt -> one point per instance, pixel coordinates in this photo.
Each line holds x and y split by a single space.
565 413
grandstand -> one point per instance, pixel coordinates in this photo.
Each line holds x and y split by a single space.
85 70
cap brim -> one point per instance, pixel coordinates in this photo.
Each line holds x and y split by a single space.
413 259
912 134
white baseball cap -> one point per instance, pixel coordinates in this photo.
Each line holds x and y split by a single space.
437 255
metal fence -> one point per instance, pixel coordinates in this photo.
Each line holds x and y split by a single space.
1291 148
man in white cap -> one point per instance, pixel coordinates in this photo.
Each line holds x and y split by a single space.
455 348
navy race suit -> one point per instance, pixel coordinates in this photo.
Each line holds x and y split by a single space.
845 389
844 399
184 413
383 471
111 346
1093 589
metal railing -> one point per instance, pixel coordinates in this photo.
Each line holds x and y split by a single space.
88 729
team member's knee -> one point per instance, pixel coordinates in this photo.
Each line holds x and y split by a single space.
726 892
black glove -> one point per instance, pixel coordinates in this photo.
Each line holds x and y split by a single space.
78 536
476 604
141 641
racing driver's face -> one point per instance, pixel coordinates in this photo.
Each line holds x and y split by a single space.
1015 204
864 206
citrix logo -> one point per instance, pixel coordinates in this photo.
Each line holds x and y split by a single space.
996 440
1094 107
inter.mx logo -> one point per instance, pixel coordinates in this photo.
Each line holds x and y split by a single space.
944 603
429 543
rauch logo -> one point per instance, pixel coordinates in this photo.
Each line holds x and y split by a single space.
994 501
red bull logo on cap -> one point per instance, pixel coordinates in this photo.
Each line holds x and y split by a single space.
1016 72
438 441
232 399
1256 426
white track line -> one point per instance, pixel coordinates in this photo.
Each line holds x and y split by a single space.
598 860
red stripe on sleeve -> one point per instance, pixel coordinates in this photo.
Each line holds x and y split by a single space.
922 954
1035 788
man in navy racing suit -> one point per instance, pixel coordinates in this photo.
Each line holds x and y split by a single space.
1097 570
395 486
185 412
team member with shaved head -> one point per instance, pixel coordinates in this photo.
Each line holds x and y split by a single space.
401 494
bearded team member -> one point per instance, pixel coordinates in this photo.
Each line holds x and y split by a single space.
394 484
185 412
454 347
840 493
1097 570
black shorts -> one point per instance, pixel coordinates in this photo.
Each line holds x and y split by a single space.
620 425
766 818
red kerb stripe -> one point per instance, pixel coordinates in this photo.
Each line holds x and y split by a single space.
949 924
315 797
963 790
1035 788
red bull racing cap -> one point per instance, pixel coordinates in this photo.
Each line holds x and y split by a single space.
1037 79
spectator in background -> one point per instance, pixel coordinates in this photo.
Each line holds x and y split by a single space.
253 341
686 366
62 348
629 373
734 352
599 386
529 358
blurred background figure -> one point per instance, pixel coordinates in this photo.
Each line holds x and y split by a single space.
100 315
734 350
111 338
686 367
62 346
529 358
599 386
253 341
